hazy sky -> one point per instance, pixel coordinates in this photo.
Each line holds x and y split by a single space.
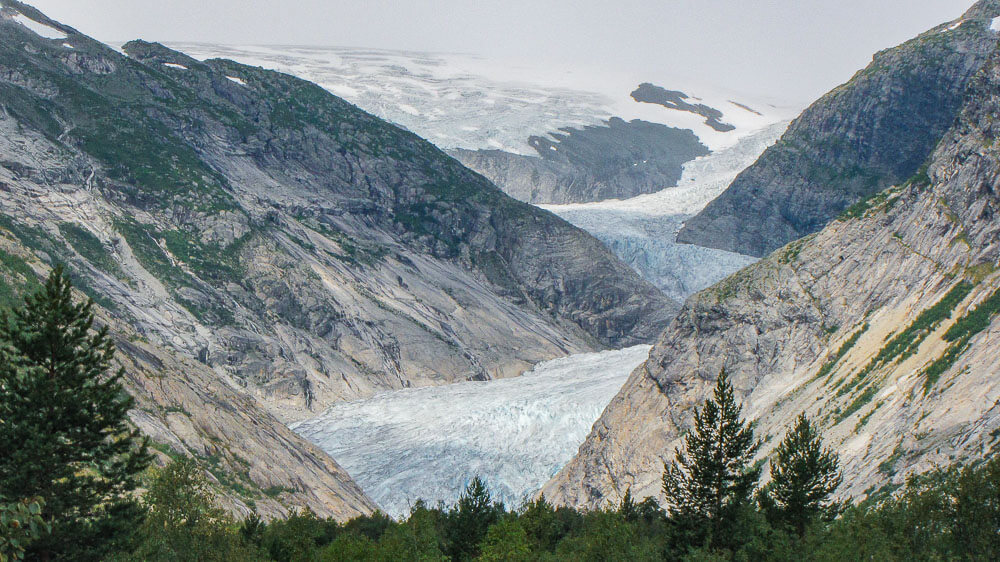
799 48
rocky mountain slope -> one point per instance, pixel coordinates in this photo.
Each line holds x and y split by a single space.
280 241
254 461
882 327
872 132
617 160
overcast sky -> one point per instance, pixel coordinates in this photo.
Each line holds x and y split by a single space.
796 49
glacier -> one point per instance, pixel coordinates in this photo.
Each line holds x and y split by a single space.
516 433
642 230
472 102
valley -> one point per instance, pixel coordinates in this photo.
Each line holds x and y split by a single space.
514 433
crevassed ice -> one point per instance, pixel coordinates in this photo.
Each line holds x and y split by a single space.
642 231
515 433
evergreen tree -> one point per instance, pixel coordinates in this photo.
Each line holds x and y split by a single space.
627 508
803 477
65 434
506 541
711 477
467 523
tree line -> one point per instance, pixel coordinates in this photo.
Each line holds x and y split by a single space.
71 466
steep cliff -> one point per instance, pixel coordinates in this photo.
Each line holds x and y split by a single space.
872 132
882 327
256 223
253 461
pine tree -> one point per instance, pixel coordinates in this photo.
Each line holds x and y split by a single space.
65 432
711 479
469 520
803 477
627 508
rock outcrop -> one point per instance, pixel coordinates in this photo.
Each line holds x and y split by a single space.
874 131
619 160
882 327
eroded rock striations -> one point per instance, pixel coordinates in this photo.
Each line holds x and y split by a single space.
872 132
282 243
882 327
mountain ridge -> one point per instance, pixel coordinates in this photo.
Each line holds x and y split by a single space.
845 146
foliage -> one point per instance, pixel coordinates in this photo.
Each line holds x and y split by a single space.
467 523
65 433
712 477
182 523
804 475
20 523
959 334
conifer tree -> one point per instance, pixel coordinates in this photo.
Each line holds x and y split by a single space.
627 508
711 478
804 475
468 522
65 434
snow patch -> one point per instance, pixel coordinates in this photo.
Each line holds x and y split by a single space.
175 65
68 46
954 26
995 24
40 29
405 107
515 433
239 81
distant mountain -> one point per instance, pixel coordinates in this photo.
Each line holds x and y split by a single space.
262 248
875 131
543 135
557 137
882 327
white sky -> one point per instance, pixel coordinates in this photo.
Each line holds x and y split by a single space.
794 49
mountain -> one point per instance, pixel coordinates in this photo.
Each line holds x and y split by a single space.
543 134
875 131
881 327
274 249
627 164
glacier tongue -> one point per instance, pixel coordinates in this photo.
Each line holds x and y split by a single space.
516 433
642 230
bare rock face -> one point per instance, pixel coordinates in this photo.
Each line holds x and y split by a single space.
882 327
618 160
253 460
874 131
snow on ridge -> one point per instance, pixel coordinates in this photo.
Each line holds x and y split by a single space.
239 81
515 433
175 65
442 97
995 24
40 29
